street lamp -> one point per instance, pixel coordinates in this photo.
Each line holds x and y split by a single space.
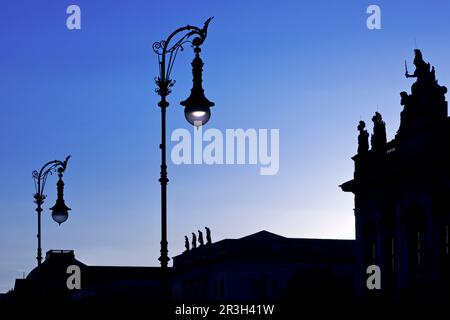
60 212
197 106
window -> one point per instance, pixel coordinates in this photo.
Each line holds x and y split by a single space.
221 289
393 254
373 253
418 249
446 240
214 291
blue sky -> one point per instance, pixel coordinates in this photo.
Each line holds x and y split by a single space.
308 68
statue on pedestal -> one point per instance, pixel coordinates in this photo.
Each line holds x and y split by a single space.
422 72
194 241
186 243
208 235
378 139
426 104
200 238
363 138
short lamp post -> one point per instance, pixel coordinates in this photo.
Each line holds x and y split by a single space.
60 212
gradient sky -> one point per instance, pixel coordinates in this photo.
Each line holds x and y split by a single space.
309 68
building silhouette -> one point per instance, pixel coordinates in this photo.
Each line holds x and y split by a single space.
402 197
261 266
48 282
402 217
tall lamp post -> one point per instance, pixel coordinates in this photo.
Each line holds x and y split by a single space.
60 212
197 106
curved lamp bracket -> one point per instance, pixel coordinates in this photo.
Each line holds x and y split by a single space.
167 53
40 177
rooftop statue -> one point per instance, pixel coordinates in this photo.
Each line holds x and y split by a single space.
378 139
363 138
200 238
426 103
194 241
186 243
208 235
422 71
